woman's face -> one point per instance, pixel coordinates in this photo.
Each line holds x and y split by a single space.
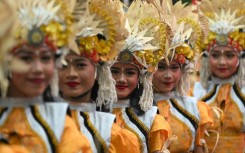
223 61
40 68
77 77
167 76
126 77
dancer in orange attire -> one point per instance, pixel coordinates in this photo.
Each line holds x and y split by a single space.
26 122
86 81
222 74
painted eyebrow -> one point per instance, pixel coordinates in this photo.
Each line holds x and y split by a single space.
29 52
133 69
225 51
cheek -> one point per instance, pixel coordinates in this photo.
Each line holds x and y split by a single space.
86 77
234 62
157 78
212 62
133 82
176 76
18 78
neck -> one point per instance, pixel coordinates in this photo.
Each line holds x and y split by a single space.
15 93
217 80
83 98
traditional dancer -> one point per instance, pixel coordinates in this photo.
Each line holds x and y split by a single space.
222 73
86 80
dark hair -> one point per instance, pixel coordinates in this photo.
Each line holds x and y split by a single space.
135 98
47 96
94 91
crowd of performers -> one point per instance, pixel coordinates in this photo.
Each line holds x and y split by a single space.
97 76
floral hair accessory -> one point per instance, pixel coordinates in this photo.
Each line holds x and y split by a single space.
101 29
185 40
225 23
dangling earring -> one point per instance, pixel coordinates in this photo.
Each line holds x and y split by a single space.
95 73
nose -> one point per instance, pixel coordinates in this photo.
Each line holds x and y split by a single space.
121 78
222 61
37 67
71 74
167 75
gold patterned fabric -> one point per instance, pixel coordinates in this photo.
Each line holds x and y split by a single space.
181 129
229 124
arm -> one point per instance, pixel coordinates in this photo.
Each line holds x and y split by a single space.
159 133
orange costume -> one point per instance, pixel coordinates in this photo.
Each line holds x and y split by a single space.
151 129
42 128
225 96
187 118
228 99
104 135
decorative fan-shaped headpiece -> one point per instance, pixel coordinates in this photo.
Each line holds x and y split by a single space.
185 39
225 23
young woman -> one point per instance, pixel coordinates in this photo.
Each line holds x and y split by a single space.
25 120
132 72
222 75
186 116
7 19
78 84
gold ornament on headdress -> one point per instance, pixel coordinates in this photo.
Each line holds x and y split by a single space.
147 35
43 21
184 39
105 18
225 20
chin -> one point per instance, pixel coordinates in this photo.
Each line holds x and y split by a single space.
121 96
32 95
224 76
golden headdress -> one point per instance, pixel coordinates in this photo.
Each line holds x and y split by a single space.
185 39
100 36
101 29
46 21
225 21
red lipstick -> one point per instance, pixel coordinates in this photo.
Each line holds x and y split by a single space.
167 83
72 84
121 87
37 80
222 69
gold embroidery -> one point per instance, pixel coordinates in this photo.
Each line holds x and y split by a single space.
138 121
98 136
18 131
186 112
178 127
209 94
240 92
184 135
46 126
